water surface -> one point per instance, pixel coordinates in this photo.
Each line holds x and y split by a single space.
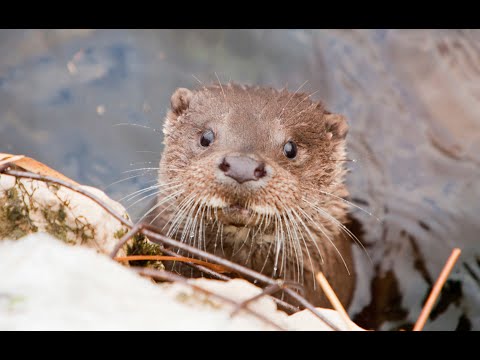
411 98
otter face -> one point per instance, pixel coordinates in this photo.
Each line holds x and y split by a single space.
253 158
252 151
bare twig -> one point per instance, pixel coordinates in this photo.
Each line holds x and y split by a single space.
153 234
4 166
131 233
269 290
138 227
310 307
78 189
215 267
337 305
427 308
165 275
283 305
203 269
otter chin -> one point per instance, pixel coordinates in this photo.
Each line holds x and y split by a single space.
256 175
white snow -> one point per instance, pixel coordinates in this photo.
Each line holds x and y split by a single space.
48 285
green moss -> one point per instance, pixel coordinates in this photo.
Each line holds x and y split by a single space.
182 297
120 233
186 298
56 223
84 229
57 226
12 301
53 187
141 246
15 301
15 219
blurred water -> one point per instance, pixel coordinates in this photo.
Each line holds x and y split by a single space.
411 97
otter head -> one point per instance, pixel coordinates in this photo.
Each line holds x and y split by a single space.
253 158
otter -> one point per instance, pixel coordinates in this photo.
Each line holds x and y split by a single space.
256 175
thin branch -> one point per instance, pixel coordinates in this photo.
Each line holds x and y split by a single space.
78 189
312 308
283 305
131 233
201 268
215 267
165 275
153 235
427 308
4 166
269 290
337 305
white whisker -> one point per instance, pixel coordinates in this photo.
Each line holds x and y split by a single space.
147 151
178 214
302 111
160 203
316 224
342 227
350 203
221 87
138 125
297 245
270 248
291 97
161 191
144 190
292 242
241 246
189 222
146 169
199 81
128 178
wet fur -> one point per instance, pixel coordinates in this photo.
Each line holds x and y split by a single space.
258 121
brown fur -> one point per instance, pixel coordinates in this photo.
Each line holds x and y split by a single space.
258 121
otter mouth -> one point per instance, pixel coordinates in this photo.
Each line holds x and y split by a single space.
238 212
237 209
237 215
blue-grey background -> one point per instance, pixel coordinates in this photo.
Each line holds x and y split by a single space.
411 98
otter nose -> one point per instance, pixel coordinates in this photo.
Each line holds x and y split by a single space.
242 168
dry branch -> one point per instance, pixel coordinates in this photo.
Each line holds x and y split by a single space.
427 308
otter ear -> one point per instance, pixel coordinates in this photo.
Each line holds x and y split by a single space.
180 100
336 125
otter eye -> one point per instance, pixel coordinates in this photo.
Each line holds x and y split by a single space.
207 138
290 150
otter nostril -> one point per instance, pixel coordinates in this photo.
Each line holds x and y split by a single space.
260 171
224 166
